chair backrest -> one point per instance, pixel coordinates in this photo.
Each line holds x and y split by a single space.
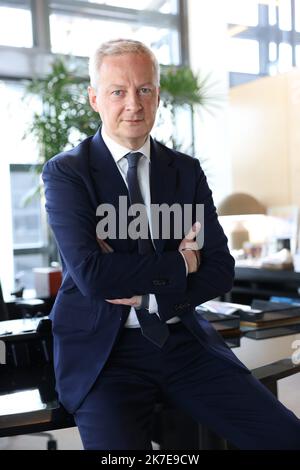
3 308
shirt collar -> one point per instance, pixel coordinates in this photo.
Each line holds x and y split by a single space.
119 151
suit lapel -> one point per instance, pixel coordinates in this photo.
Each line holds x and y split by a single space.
109 185
108 181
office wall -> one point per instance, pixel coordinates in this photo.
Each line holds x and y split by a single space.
293 85
264 126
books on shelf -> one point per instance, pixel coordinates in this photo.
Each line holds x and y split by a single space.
271 318
267 314
226 325
261 314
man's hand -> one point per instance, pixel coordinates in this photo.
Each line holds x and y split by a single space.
105 248
134 301
190 249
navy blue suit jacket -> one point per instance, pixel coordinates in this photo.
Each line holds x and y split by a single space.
85 326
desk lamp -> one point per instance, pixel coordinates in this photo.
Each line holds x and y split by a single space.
238 206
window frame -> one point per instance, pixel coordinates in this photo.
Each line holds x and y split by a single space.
266 33
36 248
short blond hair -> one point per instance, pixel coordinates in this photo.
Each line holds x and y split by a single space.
117 47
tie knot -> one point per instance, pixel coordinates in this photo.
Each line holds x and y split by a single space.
133 159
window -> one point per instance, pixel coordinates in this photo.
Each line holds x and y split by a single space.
243 55
67 33
285 57
272 51
297 15
15 27
281 60
242 13
285 17
28 224
276 34
163 6
272 14
15 114
23 268
26 208
154 22
25 234
298 55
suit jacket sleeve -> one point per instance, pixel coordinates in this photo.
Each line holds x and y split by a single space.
72 218
216 272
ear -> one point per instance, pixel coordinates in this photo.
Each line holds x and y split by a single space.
93 98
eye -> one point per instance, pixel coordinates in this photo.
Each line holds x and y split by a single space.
117 92
145 91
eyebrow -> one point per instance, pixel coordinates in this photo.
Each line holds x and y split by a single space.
147 84
115 85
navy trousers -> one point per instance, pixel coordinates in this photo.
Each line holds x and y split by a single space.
117 412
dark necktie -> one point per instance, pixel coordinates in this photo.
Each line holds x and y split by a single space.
151 326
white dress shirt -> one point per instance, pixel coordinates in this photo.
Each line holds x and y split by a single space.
118 153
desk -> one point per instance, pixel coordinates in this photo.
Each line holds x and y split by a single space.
17 308
259 283
37 409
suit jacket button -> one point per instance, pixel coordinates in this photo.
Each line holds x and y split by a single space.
178 307
159 282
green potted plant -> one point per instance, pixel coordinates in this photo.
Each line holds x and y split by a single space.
66 116
181 88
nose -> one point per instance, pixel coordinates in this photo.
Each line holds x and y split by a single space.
133 102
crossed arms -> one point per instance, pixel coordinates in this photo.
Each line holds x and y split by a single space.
188 248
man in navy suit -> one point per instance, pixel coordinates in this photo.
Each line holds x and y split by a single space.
109 372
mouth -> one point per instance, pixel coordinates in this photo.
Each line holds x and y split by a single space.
133 121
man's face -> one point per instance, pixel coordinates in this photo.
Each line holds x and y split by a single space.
127 98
